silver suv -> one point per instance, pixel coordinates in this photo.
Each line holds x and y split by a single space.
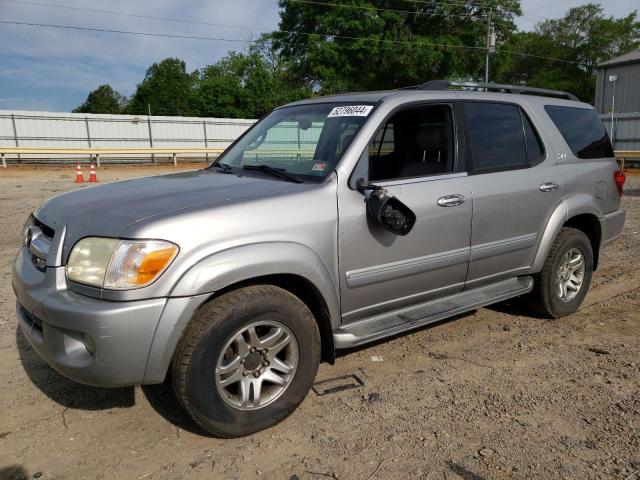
331 223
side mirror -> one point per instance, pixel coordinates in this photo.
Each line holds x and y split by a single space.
387 211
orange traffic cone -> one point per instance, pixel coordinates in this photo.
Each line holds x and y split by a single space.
79 177
92 174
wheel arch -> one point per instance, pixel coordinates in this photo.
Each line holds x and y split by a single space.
588 224
580 212
291 266
307 292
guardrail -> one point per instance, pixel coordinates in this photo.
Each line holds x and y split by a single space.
632 155
95 153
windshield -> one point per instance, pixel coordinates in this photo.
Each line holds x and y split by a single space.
305 141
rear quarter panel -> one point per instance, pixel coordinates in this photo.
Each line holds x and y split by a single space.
592 179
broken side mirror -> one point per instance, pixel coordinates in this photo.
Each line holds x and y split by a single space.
387 211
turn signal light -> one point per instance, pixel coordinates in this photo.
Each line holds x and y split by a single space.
153 263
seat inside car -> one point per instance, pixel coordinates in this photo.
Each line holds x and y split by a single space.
417 142
430 155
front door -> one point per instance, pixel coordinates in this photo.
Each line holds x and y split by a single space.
413 156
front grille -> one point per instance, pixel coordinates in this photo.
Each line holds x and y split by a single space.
38 240
46 230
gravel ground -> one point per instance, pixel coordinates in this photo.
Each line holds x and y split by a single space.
497 393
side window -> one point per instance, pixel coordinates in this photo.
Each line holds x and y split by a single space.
496 136
416 142
583 131
535 149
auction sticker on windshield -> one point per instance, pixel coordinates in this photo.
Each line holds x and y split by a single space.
350 111
319 167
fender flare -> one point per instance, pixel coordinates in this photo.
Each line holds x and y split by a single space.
228 267
567 209
238 264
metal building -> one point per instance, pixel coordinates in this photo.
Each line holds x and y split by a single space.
622 74
618 99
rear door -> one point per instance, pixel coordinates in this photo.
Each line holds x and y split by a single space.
516 186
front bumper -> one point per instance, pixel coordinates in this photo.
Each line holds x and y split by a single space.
91 341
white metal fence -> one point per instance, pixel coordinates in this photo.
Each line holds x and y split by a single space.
75 130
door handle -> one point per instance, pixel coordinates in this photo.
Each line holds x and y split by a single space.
548 186
451 200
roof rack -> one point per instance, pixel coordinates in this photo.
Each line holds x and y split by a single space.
494 87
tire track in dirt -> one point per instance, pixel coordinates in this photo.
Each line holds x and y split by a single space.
612 289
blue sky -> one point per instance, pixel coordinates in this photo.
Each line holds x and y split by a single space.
53 70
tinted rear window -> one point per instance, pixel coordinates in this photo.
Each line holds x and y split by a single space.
582 130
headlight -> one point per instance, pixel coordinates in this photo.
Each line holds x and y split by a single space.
119 264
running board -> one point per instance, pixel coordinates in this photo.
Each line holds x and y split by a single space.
405 319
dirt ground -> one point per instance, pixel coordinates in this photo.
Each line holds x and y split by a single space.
497 393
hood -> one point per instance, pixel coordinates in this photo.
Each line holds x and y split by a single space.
107 210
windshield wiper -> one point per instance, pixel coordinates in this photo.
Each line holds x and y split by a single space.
275 172
222 166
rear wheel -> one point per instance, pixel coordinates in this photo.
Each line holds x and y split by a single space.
564 280
246 360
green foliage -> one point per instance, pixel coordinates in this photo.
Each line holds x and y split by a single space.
241 85
380 44
354 45
583 38
103 99
167 88
246 84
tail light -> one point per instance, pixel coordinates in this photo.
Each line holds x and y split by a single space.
619 178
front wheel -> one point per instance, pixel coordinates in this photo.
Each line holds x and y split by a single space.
246 360
564 280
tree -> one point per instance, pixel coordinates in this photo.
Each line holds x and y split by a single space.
580 40
379 44
103 99
167 88
326 47
247 84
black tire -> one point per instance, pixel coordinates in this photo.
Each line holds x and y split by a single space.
545 298
213 325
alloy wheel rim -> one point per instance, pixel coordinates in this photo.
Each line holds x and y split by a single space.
570 275
257 365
